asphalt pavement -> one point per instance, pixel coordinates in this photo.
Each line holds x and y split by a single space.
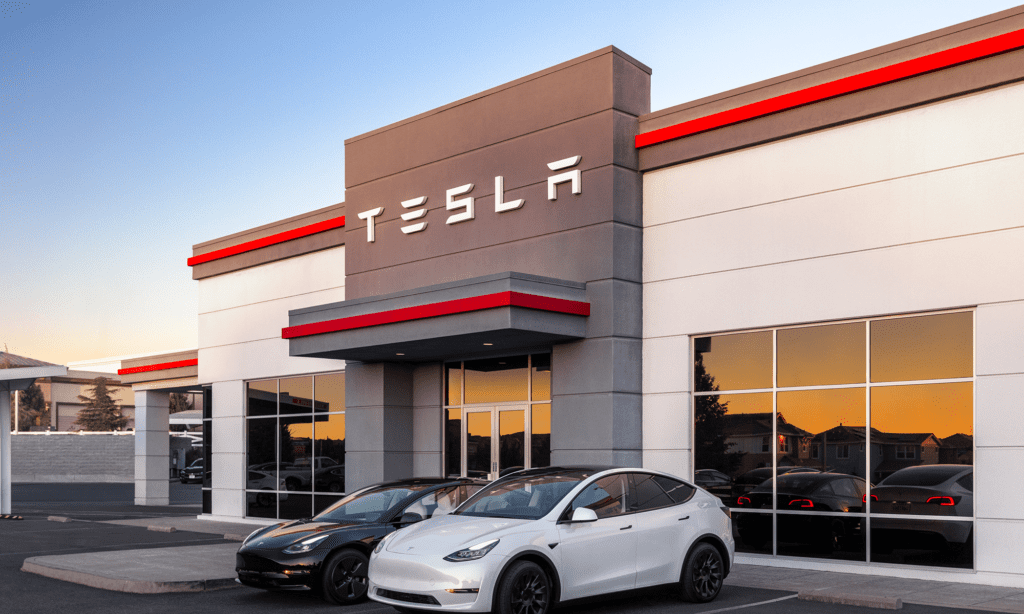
119 533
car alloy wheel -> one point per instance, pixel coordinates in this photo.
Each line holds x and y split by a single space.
525 589
343 580
264 500
703 573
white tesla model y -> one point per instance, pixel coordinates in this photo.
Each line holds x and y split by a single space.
542 536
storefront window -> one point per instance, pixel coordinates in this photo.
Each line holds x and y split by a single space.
295 445
871 462
505 422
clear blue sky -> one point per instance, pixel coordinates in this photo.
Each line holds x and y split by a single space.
133 130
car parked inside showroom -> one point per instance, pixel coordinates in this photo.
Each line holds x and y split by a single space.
540 537
329 552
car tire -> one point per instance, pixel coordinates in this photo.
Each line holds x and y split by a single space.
524 589
703 574
292 484
343 578
334 487
264 499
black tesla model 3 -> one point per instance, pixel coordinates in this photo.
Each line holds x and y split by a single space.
329 552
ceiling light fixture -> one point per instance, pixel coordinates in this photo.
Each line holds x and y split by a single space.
488 344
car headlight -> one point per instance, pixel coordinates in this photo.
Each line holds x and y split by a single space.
473 552
380 544
306 545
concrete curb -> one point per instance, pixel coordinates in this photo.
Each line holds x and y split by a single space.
59 519
864 601
160 529
31 565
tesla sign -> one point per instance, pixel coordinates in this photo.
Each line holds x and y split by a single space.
462 206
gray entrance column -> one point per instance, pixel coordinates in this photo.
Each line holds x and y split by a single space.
152 448
378 423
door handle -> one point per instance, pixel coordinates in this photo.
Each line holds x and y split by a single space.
624 528
685 518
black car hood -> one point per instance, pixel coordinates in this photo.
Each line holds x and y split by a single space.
296 530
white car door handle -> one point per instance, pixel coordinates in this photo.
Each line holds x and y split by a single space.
624 528
685 518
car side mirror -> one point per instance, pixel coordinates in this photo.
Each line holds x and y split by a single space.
409 518
583 514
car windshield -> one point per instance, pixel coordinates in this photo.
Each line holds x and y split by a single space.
368 505
527 497
922 476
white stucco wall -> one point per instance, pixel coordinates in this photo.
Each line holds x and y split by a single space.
241 315
915 211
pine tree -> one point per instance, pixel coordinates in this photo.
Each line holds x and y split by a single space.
180 402
711 450
100 413
32 408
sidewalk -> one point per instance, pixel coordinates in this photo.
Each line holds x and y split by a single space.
877 591
199 568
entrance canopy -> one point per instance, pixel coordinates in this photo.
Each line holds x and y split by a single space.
483 315
16 373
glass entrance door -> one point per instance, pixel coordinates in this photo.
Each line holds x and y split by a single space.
493 441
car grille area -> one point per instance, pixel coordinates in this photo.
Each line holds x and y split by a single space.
407 597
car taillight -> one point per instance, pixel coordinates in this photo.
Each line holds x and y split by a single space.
743 501
801 503
864 498
944 501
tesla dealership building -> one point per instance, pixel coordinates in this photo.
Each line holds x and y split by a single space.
818 273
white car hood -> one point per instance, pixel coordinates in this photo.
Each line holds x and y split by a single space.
447 534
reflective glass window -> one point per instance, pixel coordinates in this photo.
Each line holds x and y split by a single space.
330 393
296 452
296 396
295 506
822 355
478 443
453 383
923 347
496 380
511 440
826 536
261 445
262 398
731 433
833 420
453 441
541 373
733 362
679 491
329 452
540 438
931 542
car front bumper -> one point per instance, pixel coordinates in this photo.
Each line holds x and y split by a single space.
431 583
260 570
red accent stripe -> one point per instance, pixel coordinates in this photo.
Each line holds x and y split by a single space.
177 364
847 85
281 237
433 310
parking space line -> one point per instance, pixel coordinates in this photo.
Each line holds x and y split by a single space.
749 605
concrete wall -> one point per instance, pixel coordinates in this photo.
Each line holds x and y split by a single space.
915 211
37 457
241 315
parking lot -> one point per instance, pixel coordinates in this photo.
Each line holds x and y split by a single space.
92 505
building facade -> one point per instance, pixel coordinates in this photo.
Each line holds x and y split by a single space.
816 275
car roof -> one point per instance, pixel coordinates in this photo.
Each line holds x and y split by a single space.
430 481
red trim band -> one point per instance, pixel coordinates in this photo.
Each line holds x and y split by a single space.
281 237
847 85
433 310
177 364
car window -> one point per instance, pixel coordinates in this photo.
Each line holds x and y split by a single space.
647 494
607 497
845 488
528 496
437 503
967 482
679 491
369 505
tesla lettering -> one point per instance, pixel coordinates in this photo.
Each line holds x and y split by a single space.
467 205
